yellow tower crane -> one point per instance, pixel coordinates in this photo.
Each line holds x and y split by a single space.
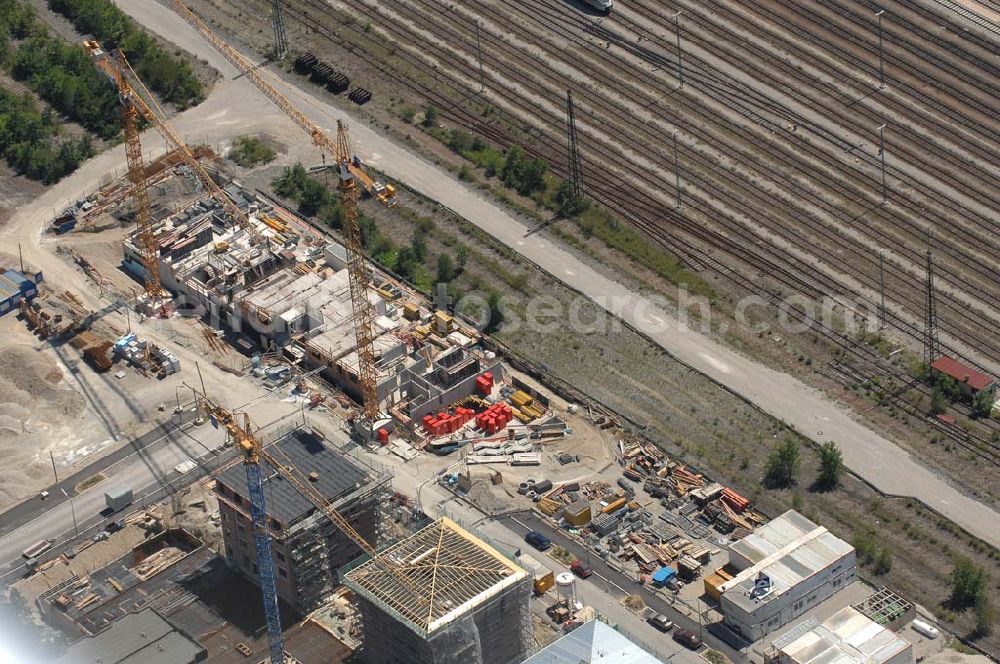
242 432
119 70
146 243
350 171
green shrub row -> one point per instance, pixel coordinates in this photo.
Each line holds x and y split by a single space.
31 144
167 75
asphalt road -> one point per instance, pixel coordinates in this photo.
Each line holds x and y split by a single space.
30 509
615 583
145 467
235 108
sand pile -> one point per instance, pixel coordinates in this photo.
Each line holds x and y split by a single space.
489 498
37 407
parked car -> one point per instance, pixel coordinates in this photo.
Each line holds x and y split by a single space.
581 569
687 638
538 540
660 622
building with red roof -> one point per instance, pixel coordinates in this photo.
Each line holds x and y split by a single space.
971 380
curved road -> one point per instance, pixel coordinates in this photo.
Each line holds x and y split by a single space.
235 107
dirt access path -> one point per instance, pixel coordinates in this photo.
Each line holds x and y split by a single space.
235 108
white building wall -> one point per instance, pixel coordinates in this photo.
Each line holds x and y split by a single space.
779 610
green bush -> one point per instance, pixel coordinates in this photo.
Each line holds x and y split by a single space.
169 77
783 464
31 144
62 75
249 151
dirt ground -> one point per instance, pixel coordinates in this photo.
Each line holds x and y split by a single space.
683 411
689 416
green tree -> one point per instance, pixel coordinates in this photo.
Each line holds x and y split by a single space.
783 464
406 263
532 177
831 466
445 269
985 615
314 196
968 583
496 317
883 561
291 182
982 403
510 174
419 245
430 116
461 258
166 75
939 402
330 213
569 204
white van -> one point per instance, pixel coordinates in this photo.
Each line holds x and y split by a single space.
601 5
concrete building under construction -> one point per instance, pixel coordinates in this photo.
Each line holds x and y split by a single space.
306 546
462 601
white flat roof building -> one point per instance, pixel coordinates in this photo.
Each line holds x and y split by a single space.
786 567
847 637
593 643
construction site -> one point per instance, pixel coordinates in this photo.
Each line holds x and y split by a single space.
246 425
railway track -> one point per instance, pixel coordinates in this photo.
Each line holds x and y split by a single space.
535 13
988 272
642 212
972 16
845 97
982 446
913 232
536 111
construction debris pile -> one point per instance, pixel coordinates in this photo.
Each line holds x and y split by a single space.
147 357
664 540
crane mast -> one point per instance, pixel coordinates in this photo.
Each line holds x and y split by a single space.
119 69
146 243
364 312
241 431
350 172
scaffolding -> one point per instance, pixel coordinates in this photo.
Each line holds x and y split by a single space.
887 609
314 547
473 608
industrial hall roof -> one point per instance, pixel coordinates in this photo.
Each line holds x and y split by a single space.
137 638
451 572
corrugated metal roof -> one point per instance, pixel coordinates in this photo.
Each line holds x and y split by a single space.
137 637
337 476
593 643
772 536
813 549
847 637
